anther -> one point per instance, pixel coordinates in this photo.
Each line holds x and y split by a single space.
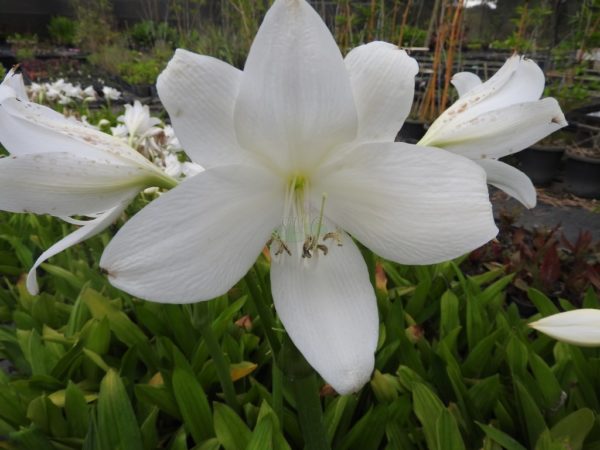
323 248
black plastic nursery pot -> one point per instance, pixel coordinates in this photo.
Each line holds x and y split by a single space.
541 163
582 176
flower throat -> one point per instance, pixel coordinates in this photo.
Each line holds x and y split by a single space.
298 227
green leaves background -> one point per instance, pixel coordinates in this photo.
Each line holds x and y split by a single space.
456 366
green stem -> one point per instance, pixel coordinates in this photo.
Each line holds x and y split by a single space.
202 320
264 310
308 404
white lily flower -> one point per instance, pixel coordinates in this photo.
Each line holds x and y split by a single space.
502 116
578 327
73 91
138 125
64 100
62 167
297 148
172 143
89 94
111 93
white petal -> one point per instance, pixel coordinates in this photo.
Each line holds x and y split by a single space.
518 81
27 128
502 132
295 101
410 204
329 310
90 229
512 181
383 83
464 82
199 93
196 241
14 81
63 185
579 327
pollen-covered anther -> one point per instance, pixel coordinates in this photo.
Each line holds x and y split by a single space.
334 235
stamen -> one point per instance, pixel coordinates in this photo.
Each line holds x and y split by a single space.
320 223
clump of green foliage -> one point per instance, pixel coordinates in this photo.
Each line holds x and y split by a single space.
456 365
95 24
62 30
147 34
23 45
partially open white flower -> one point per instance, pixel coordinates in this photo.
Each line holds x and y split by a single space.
62 167
502 116
137 124
578 327
298 148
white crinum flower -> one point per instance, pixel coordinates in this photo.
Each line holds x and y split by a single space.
300 138
502 116
579 327
137 124
62 167
111 93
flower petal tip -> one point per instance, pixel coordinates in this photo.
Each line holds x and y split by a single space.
31 283
351 380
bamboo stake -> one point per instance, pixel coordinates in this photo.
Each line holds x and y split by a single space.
454 32
404 19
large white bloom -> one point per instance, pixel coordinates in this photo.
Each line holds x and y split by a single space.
62 167
298 133
502 116
579 327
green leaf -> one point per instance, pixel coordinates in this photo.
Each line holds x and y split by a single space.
448 435
232 432
368 432
500 437
30 438
573 429
543 304
546 381
120 324
76 410
193 405
534 420
428 408
262 436
117 424
449 313
149 430
159 396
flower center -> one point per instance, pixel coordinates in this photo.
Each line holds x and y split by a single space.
303 231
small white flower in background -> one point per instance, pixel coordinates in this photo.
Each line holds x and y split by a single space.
73 91
89 94
502 116
62 167
64 100
137 124
111 93
578 327
172 143
297 148
177 169
37 92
